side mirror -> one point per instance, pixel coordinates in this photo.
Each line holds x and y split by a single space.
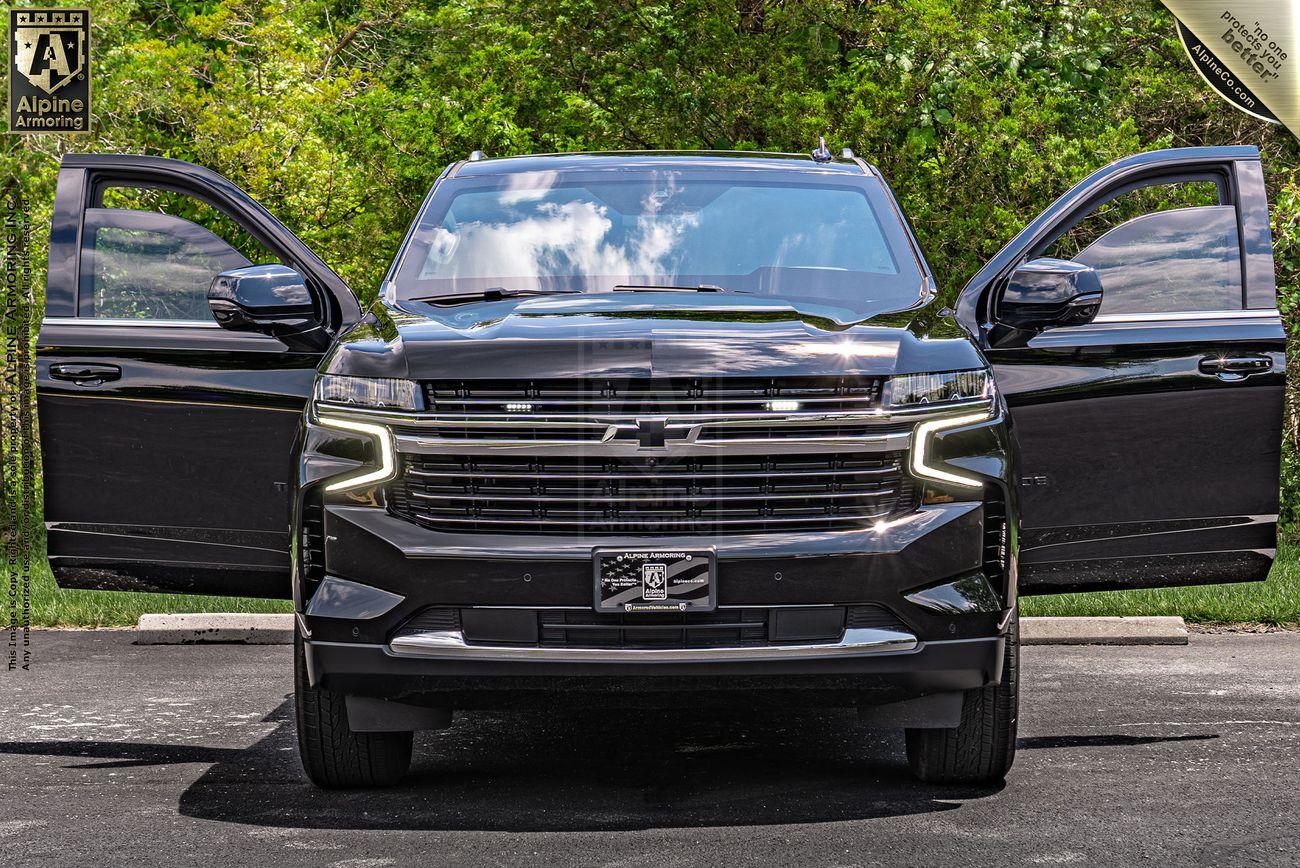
262 298
1050 292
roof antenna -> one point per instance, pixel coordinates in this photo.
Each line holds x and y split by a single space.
823 153
476 155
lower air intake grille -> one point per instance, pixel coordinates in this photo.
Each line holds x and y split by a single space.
874 618
650 496
995 544
731 628
313 540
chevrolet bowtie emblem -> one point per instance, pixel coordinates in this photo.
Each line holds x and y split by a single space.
651 432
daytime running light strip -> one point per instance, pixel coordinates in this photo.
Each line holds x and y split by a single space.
921 442
383 439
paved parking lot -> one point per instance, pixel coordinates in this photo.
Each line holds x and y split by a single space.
112 753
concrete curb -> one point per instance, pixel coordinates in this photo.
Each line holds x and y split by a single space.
234 627
278 630
1144 630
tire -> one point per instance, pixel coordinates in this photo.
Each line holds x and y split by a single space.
333 756
981 749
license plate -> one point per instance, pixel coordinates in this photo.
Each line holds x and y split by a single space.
644 580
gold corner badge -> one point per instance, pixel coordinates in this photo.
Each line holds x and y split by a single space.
49 70
1247 51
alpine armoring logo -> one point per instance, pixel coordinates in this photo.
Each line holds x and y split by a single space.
49 70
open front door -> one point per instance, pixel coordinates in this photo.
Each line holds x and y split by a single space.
1149 435
167 440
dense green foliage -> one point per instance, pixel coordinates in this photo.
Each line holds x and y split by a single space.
338 114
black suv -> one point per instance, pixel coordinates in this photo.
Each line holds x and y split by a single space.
642 428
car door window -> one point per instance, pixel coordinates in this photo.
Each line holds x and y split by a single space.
151 254
1161 248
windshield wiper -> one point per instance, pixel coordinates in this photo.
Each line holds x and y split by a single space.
494 293
699 287
497 293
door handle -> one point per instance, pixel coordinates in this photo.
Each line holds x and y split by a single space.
84 374
1230 368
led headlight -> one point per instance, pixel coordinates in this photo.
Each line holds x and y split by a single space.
371 392
922 464
384 452
937 391
949 387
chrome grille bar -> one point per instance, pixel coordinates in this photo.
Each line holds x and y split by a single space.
417 444
671 524
669 402
666 473
875 417
632 496
451 645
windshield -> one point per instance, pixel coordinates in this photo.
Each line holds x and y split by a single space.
793 237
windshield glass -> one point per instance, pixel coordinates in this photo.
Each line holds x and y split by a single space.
593 232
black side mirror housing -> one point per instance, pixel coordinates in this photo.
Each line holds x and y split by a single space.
272 299
1045 292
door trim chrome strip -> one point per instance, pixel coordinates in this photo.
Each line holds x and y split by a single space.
451 645
1188 316
109 321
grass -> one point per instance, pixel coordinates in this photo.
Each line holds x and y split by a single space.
1276 601
54 607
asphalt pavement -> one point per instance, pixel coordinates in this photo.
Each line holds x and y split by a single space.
117 754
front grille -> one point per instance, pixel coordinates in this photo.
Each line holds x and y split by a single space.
577 495
650 396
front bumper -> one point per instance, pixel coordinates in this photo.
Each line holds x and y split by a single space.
837 674
865 566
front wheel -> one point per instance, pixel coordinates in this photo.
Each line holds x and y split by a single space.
332 754
981 748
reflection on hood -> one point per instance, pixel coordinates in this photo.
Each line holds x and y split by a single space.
666 334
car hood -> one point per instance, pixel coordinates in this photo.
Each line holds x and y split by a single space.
669 334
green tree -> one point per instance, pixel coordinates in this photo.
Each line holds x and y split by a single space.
338 114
